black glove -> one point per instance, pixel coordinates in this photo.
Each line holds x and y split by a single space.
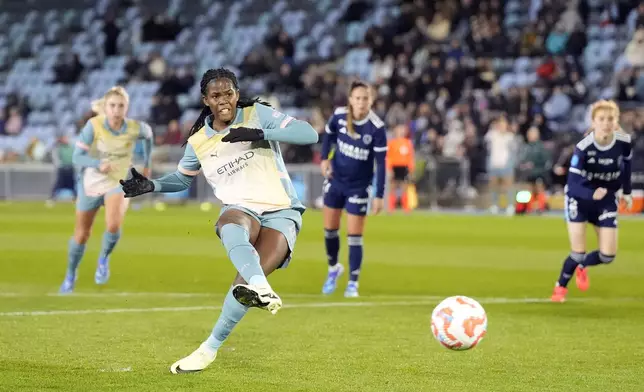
137 185
243 134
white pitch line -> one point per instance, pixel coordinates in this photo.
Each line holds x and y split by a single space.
427 301
137 294
117 294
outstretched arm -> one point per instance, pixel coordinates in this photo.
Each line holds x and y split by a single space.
173 182
180 180
280 127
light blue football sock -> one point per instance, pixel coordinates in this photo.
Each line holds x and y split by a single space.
108 244
231 313
74 256
243 255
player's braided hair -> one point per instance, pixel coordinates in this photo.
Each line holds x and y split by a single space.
209 76
354 85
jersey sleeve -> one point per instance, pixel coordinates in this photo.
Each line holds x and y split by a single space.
81 156
331 127
145 134
577 183
280 127
173 182
628 151
86 137
330 137
380 151
189 164
271 118
380 140
627 171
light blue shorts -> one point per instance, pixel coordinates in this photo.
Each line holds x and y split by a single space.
500 172
288 222
90 203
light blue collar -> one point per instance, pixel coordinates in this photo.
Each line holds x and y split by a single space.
106 124
210 132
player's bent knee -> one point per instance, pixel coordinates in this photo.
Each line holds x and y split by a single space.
113 227
82 236
606 259
234 235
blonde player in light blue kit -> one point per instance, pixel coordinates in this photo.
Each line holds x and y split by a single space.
104 153
235 144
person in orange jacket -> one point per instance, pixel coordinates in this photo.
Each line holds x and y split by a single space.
400 164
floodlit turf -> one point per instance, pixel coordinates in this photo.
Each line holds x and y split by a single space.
169 276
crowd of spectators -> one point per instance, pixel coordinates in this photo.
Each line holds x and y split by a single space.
437 67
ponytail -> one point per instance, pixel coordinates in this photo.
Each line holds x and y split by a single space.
98 106
350 130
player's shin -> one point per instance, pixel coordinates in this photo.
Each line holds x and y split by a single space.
355 262
74 256
355 256
568 269
109 242
332 244
231 313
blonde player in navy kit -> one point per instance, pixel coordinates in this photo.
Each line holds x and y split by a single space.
599 168
360 140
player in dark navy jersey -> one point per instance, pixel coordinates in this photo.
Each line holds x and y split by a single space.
360 140
599 169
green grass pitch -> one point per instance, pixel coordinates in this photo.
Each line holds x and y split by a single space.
169 276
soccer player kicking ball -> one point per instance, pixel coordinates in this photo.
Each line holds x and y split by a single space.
235 143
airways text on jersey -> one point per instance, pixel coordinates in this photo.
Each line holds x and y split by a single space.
234 164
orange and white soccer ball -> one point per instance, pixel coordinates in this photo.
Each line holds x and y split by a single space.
459 323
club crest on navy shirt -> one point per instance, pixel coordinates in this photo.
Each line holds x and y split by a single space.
601 165
353 160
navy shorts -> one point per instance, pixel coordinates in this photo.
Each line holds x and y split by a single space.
354 200
600 213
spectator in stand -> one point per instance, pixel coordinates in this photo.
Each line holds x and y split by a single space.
501 148
14 122
635 49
